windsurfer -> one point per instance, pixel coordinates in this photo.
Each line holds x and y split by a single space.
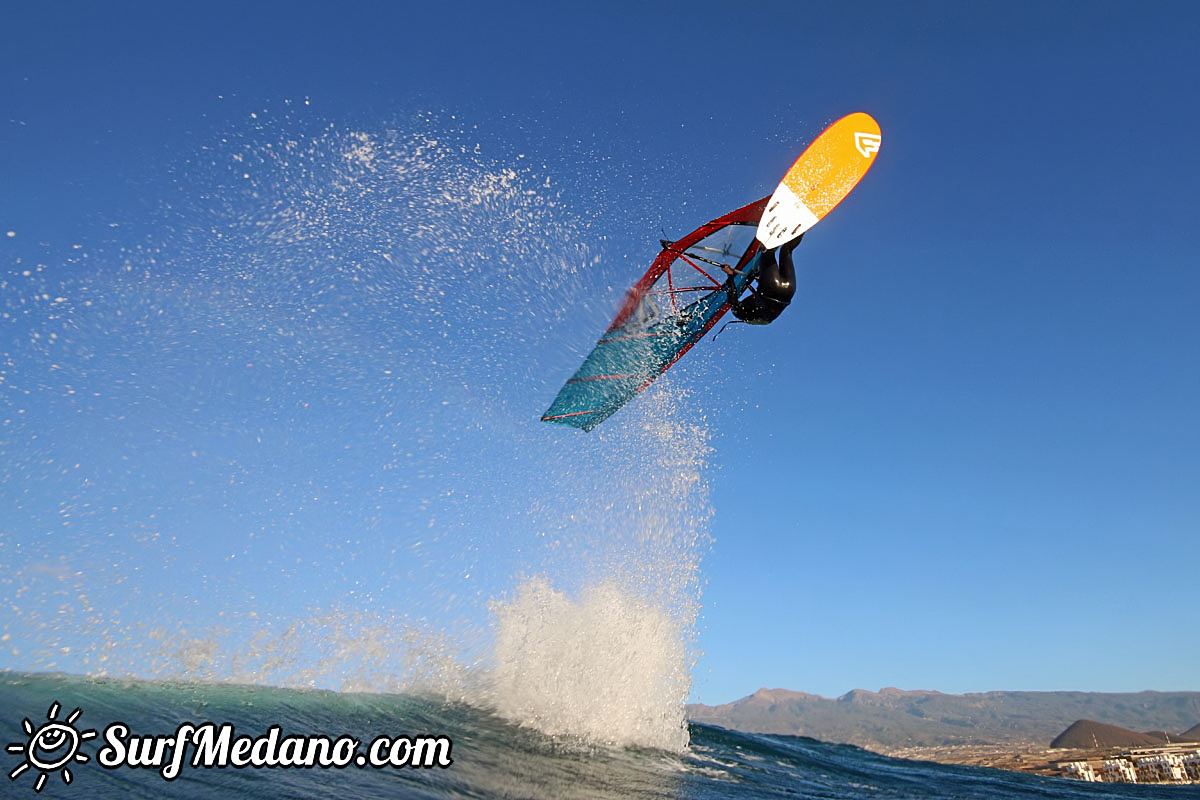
776 285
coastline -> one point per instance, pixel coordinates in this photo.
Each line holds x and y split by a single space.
1032 758
1029 757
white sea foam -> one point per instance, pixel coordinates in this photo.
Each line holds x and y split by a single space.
611 661
608 667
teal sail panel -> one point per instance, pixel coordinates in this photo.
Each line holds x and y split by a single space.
660 321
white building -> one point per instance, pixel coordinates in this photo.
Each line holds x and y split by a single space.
1118 770
1191 765
1081 771
1161 768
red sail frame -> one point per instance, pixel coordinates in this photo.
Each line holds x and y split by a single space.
749 214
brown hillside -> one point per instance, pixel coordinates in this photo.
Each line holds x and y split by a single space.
1085 734
1190 735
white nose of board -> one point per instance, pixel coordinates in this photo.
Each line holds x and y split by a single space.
786 218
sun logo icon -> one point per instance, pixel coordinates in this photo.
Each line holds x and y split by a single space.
52 746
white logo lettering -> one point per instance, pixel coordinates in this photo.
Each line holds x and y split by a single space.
53 746
867 143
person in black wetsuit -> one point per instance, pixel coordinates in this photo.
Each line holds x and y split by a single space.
776 285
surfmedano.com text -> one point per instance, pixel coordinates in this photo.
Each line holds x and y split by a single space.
218 746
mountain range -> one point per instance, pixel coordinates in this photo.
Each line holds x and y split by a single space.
892 718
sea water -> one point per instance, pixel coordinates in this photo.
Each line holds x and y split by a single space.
492 756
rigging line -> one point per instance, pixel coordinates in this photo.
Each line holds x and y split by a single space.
725 252
726 325
669 249
671 288
680 290
716 284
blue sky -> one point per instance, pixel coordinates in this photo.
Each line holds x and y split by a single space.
966 458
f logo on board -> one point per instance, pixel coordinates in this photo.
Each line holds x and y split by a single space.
867 143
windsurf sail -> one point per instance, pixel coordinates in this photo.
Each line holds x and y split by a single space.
687 289
695 279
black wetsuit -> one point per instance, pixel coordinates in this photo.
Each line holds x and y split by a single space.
776 286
